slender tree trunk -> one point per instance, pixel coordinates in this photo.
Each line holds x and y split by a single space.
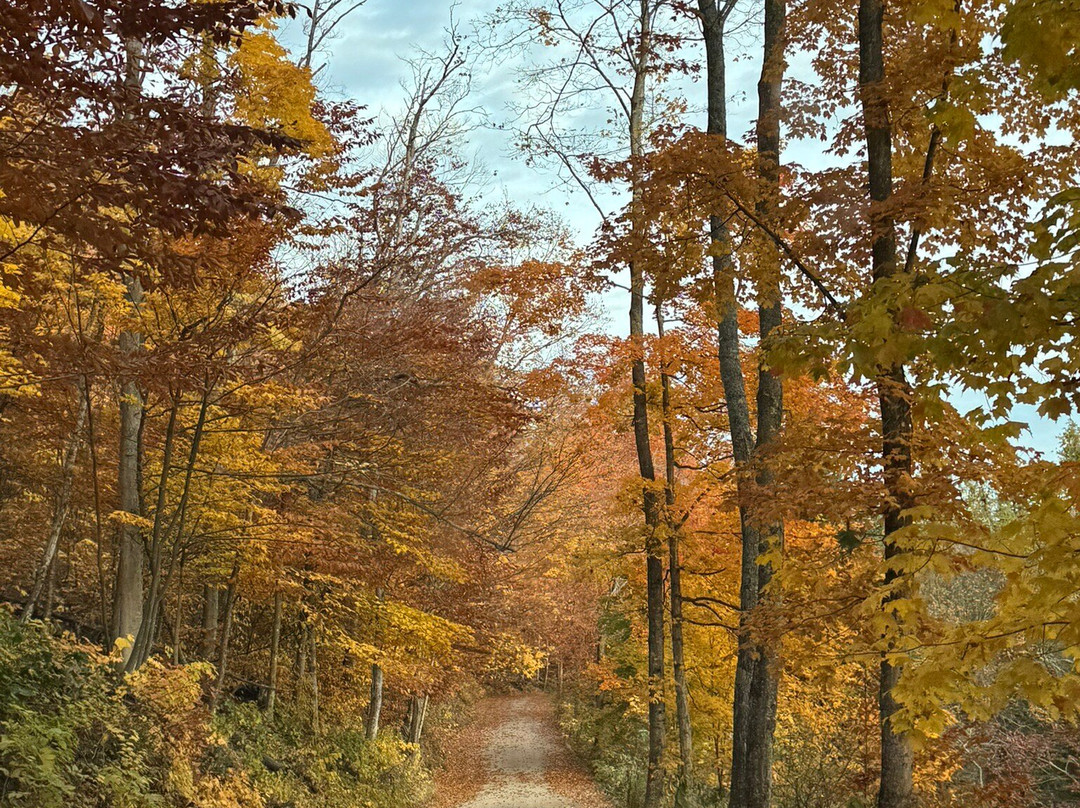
275 644
128 592
757 668
770 403
371 730
148 627
896 788
178 620
226 634
303 641
738 408
315 718
211 605
682 694
61 507
50 591
654 563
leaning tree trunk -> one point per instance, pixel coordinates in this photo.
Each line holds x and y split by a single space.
896 787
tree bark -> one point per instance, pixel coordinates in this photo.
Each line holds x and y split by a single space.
896 787
764 680
275 645
211 604
178 620
754 704
654 564
226 634
315 718
371 728
682 694
128 592
60 508
417 716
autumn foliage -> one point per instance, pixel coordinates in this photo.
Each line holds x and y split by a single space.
304 442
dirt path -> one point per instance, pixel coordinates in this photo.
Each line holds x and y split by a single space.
512 756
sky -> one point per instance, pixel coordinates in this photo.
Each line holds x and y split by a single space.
367 61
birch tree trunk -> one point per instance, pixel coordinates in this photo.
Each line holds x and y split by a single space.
371 729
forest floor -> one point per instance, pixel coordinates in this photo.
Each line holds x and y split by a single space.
513 756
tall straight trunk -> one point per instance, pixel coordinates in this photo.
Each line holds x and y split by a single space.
761 725
211 605
654 564
682 693
895 789
650 503
128 592
61 506
757 668
275 646
371 728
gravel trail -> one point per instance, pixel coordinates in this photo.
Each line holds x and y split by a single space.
513 757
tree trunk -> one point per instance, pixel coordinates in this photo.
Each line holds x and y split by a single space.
754 705
275 644
148 628
895 789
178 620
61 507
302 643
211 604
226 633
738 410
315 719
128 592
682 695
371 729
417 716
654 564
764 680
